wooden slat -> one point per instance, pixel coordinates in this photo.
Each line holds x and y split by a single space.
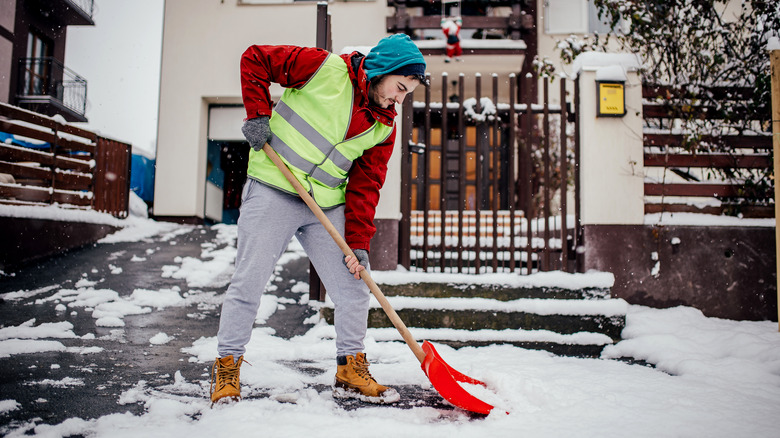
702 112
26 131
747 211
730 141
18 153
682 208
681 189
63 144
723 161
16 113
19 171
72 181
719 93
26 193
21 154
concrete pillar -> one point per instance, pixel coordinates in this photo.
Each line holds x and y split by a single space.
611 155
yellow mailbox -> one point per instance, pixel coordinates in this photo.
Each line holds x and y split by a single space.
611 99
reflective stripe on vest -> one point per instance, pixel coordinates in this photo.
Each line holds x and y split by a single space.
320 142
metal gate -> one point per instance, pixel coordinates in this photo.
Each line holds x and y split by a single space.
488 186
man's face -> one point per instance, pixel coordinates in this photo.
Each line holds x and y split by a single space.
391 89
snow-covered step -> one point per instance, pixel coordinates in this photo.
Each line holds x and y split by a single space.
606 316
568 314
500 286
581 344
570 327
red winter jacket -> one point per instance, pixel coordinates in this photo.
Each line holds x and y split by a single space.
292 67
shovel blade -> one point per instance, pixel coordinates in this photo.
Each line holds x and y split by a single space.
445 380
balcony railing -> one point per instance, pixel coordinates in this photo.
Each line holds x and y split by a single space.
49 78
87 6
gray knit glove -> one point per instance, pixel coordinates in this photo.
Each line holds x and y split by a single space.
361 255
257 132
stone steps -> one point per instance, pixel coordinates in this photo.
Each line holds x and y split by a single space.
573 321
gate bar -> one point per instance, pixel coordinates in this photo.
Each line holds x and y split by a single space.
527 177
564 178
443 170
547 177
426 164
512 170
496 148
478 183
463 161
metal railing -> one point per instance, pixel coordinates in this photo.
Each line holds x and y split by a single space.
88 6
49 77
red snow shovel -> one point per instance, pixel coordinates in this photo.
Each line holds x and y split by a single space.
443 377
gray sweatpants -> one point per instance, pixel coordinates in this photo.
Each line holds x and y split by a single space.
268 220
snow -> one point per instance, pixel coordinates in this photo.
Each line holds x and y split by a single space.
773 43
611 73
597 60
694 219
710 377
560 279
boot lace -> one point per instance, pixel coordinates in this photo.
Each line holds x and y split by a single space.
225 375
361 368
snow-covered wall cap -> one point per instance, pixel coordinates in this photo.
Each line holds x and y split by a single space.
614 73
592 61
773 43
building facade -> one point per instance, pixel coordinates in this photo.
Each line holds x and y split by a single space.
33 74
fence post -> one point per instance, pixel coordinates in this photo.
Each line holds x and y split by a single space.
774 57
611 167
611 153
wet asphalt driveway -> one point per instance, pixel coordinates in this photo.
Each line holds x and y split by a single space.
53 386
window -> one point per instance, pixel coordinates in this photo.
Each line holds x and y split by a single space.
37 69
573 16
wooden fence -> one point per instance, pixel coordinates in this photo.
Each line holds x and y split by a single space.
56 163
492 171
697 161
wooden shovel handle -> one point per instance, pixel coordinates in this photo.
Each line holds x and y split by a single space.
394 318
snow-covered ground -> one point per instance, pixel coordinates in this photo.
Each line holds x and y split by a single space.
710 377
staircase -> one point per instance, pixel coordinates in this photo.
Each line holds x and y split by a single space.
566 314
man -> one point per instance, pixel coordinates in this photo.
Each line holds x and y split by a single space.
334 127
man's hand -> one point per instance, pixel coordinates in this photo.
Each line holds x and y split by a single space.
257 132
357 263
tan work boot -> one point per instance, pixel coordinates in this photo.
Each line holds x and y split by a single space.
227 387
354 381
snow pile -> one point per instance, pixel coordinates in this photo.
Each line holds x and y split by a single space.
215 266
711 377
715 378
563 280
108 308
27 338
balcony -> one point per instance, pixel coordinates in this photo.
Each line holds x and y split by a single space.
418 15
65 12
46 86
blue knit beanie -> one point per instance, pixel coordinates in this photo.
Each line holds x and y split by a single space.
396 54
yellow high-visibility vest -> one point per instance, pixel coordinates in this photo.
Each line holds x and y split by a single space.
309 127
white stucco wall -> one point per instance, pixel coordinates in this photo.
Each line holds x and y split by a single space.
611 151
202 44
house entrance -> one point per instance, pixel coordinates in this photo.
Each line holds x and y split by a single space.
487 184
225 177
